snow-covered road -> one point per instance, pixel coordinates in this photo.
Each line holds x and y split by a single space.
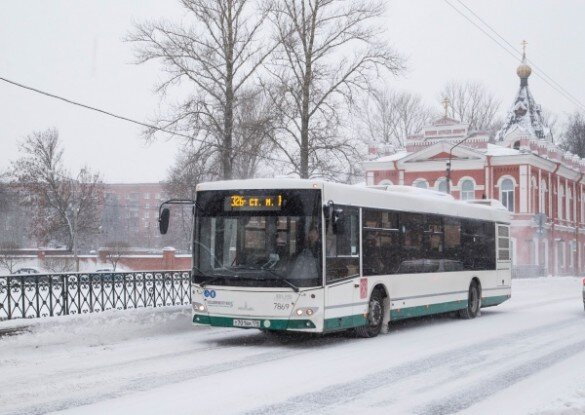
526 356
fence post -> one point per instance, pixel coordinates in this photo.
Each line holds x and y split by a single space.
65 296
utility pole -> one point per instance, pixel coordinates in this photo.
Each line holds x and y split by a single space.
448 172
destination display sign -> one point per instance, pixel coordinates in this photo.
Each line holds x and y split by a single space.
253 203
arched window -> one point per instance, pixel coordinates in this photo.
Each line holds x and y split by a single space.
542 198
467 190
582 209
442 186
533 195
421 184
569 206
507 194
560 199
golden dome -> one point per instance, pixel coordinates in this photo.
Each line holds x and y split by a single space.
524 70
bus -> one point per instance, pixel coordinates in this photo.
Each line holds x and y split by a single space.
315 256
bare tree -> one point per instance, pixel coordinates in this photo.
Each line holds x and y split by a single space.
254 133
114 251
60 264
66 207
471 104
9 260
552 127
574 135
216 56
14 217
389 117
329 49
192 166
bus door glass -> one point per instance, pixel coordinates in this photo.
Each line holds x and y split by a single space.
342 259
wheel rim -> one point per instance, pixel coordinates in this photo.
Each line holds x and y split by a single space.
375 314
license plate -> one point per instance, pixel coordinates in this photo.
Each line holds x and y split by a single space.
246 323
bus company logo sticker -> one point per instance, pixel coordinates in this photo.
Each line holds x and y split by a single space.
363 288
224 304
209 293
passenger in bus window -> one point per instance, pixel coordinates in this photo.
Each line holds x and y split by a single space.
313 242
373 264
306 264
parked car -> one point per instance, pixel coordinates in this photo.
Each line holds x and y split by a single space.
26 271
22 272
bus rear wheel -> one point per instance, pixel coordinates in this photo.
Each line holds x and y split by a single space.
375 317
473 302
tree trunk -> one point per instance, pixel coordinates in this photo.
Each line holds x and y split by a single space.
304 167
228 120
226 154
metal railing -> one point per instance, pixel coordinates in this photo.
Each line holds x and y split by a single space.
43 295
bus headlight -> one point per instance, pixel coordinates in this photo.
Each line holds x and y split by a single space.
306 311
198 307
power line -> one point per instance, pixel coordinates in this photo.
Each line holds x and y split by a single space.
154 127
514 54
540 70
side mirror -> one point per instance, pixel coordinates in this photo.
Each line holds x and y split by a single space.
163 221
336 218
332 216
328 213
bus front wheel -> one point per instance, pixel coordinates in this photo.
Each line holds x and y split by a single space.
473 302
375 317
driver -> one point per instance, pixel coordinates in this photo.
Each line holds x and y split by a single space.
306 264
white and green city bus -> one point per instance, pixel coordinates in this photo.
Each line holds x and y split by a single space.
315 256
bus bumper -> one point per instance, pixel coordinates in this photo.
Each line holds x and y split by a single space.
264 324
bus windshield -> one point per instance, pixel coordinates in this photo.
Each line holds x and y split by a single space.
263 238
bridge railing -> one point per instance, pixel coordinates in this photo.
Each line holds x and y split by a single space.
43 295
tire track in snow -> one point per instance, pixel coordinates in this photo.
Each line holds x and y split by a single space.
147 382
467 365
487 387
537 304
345 392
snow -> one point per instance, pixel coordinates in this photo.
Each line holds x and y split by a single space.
525 356
393 157
498 150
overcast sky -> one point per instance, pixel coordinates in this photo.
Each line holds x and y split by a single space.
75 49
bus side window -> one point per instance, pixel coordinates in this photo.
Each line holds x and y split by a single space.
413 252
478 244
380 242
452 228
342 247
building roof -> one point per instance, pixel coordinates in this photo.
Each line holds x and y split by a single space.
393 157
496 150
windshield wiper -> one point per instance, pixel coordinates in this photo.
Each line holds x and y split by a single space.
249 268
282 278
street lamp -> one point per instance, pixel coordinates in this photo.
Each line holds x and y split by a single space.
448 172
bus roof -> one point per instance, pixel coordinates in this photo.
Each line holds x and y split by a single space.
400 198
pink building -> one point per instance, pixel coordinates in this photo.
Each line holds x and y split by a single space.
541 185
